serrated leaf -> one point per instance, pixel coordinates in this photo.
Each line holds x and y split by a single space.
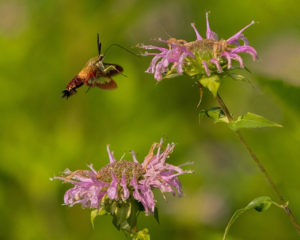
212 83
97 212
260 204
251 120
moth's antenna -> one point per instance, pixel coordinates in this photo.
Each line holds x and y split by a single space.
98 44
118 45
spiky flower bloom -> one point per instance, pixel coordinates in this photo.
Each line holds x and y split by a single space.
122 181
204 56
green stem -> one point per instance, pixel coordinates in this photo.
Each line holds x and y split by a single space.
259 165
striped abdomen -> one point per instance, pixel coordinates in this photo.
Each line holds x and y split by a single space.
75 83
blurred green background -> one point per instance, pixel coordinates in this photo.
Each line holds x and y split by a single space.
44 44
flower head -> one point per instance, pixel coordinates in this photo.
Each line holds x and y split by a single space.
204 56
120 180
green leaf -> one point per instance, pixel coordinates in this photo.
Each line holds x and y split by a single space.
135 209
141 235
214 113
260 204
238 77
212 83
112 207
287 94
97 212
121 215
140 206
251 120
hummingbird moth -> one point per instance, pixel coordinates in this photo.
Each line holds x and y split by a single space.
95 73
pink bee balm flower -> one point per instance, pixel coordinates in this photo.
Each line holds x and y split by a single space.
175 55
204 56
121 180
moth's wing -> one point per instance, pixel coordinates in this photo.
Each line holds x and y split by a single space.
115 69
107 84
103 80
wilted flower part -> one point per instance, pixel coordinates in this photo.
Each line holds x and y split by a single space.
204 56
121 179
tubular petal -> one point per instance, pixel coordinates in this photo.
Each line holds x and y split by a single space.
239 34
110 155
206 68
216 62
112 191
196 31
210 34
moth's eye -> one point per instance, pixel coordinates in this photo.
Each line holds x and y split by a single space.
100 58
